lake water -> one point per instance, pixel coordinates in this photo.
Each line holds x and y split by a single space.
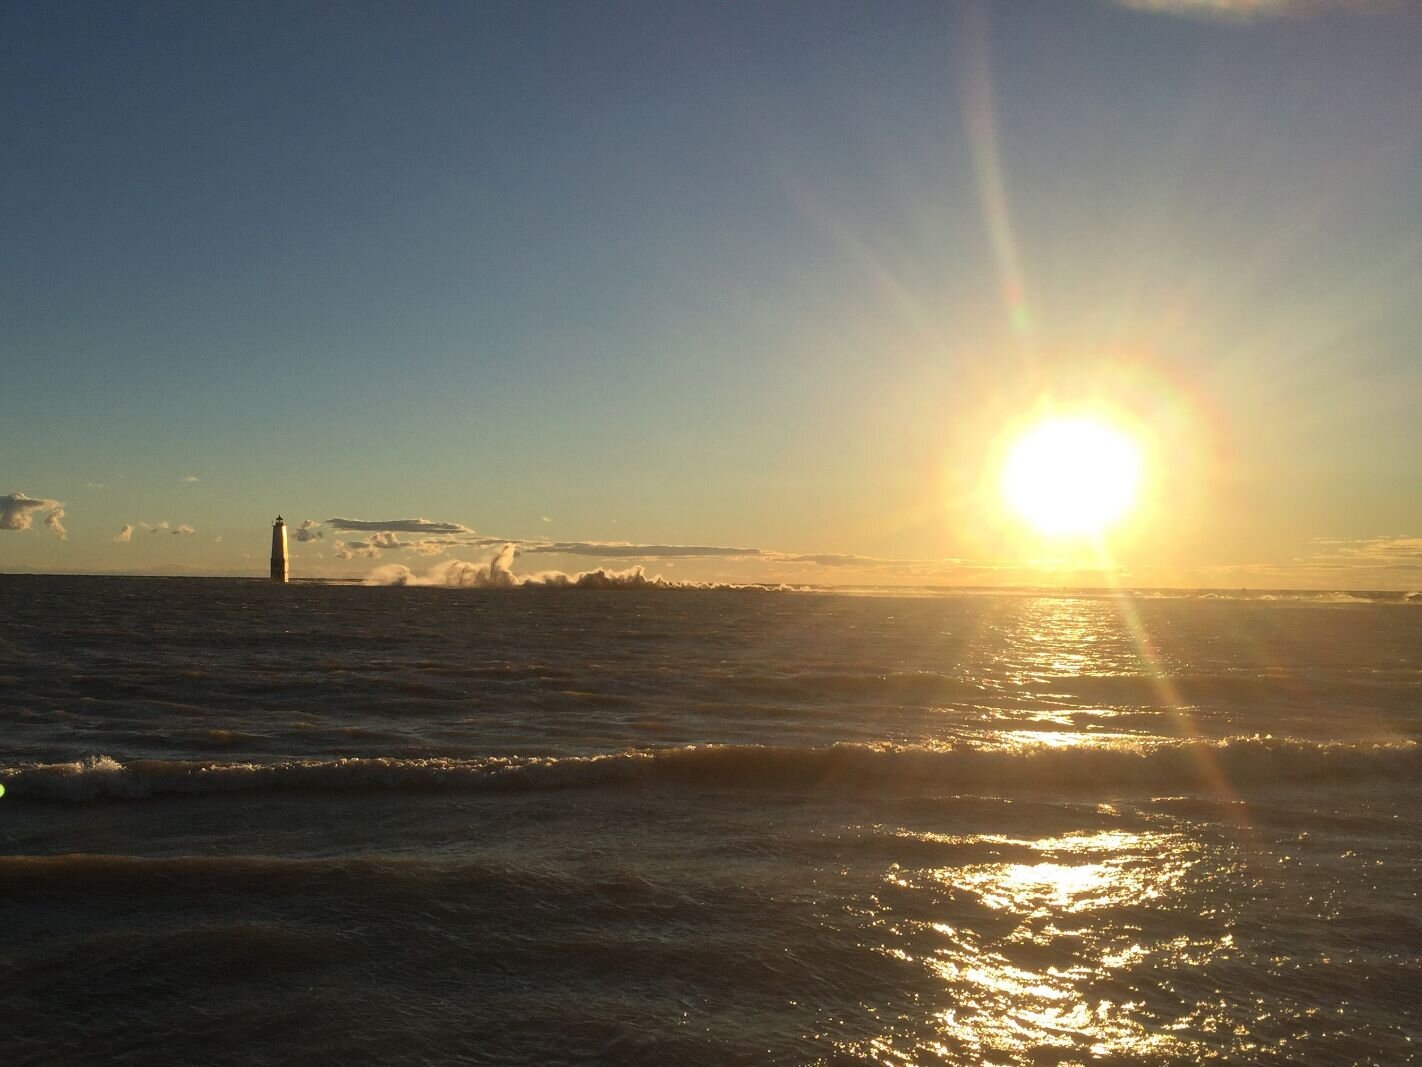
248 823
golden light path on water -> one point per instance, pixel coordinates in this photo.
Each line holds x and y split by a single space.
1047 976
1039 947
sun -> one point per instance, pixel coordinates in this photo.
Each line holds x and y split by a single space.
1072 477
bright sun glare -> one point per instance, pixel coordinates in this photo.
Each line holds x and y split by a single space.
1072 477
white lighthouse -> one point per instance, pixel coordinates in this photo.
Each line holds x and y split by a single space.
279 564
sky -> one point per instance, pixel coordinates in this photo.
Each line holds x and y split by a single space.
734 292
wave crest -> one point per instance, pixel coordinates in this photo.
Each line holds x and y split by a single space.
1161 765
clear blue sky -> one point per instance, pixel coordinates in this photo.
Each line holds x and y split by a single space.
709 274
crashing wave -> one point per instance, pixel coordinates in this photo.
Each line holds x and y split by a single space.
498 573
1210 765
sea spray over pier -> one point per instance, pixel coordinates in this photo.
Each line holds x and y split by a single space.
498 573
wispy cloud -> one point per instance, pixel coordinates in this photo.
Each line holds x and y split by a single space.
431 546
356 550
380 541
189 478
18 511
1387 553
431 538
627 550
1383 562
125 534
415 526
161 527
841 559
1244 10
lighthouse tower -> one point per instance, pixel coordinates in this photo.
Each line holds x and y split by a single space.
279 564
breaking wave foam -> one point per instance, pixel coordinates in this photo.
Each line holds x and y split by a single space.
1164 765
498 573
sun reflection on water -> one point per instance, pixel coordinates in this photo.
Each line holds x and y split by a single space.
1039 946
1049 946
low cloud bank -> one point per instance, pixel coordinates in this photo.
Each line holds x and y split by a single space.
435 538
18 511
438 538
415 526
497 573
356 550
159 527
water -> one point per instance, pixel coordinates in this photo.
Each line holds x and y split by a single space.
246 823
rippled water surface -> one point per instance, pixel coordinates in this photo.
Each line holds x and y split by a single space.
246 823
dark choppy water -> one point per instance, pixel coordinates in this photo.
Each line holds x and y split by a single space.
254 824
